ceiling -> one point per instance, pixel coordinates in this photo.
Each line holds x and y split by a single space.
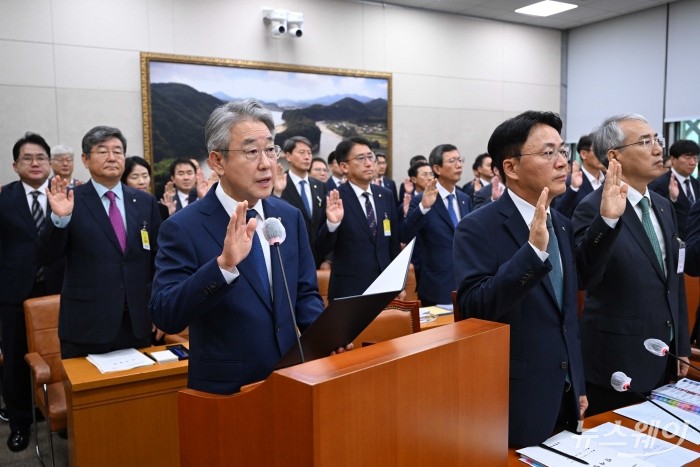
588 11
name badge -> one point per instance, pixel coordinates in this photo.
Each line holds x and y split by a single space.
387 226
145 242
681 256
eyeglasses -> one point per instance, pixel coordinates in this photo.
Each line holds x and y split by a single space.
62 159
40 158
648 143
104 152
362 159
563 151
454 160
688 157
254 154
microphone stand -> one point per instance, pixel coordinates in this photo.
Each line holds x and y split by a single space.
289 300
647 398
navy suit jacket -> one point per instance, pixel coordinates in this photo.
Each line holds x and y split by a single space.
628 297
330 185
318 210
100 280
501 278
18 253
191 198
390 185
435 233
236 333
483 196
692 256
566 203
358 259
682 205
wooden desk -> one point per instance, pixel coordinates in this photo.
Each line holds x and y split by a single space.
599 419
123 418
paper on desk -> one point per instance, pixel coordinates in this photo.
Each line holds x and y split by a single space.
651 415
119 360
583 447
437 310
641 445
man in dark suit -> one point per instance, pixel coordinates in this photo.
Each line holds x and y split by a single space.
304 192
583 180
487 194
337 177
432 218
216 273
482 175
513 265
107 233
23 210
366 239
678 184
183 174
627 257
382 180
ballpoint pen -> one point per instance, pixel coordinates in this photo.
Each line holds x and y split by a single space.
562 453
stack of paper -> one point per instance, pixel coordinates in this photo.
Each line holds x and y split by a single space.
609 444
685 394
163 356
119 360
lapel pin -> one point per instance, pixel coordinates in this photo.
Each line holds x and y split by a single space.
380 195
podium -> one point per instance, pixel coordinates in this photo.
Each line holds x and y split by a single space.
434 398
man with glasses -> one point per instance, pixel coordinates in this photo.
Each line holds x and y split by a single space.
365 239
432 218
627 254
216 273
62 164
678 184
319 169
514 263
23 210
107 232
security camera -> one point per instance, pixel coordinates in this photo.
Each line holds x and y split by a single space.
276 20
295 22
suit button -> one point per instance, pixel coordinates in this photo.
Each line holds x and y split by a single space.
563 329
277 328
564 365
668 323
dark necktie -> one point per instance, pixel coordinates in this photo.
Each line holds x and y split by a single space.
371 219
115 218
556 275
304 198
451 210
649 229
38 216
689 191
257 257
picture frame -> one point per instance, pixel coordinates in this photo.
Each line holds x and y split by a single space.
179 92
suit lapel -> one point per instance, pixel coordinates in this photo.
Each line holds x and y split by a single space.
317 197
19 199
462 199
441 211
133 228
668 230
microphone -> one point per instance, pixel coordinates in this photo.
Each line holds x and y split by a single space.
660 348
275 233
622 383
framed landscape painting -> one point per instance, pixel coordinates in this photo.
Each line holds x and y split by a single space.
323 104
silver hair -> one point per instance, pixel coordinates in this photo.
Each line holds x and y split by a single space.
61 149
217 133
609 135
99 135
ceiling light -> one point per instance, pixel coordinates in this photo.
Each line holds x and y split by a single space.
545 8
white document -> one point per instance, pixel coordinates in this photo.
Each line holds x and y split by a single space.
393 278
119 360
649 414
584 447
164 356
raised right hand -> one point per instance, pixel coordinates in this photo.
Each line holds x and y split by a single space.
539 235
60 199
238 240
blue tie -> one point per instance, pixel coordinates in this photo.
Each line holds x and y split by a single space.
256 256
451 210
556 275
304 198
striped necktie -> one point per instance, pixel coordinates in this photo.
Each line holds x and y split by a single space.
38 216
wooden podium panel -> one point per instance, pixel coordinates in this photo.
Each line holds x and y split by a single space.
434 398
123 418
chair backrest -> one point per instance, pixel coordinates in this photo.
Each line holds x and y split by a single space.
411 294
323 276
399 318
455 309
41 318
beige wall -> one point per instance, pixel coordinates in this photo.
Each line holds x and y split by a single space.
68 65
